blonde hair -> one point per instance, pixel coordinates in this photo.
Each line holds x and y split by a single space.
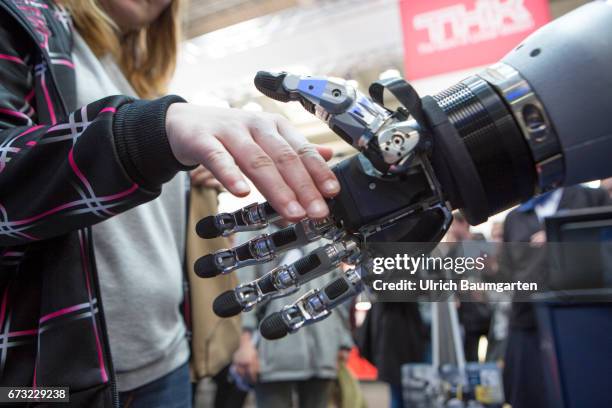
147 57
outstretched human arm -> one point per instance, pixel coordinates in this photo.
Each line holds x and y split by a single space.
116 153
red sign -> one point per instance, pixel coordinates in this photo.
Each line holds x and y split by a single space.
449 35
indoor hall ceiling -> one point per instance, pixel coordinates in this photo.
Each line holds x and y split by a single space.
204 16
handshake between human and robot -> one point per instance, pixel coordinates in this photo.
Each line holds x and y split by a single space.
537 120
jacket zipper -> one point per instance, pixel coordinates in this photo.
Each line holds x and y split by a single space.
8 7
103 329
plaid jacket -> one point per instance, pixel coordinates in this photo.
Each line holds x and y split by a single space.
62 169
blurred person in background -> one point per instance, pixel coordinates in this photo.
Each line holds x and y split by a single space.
606 184
500 302
524 384
213 339
64 172
302 366
475 314
393 334
497 232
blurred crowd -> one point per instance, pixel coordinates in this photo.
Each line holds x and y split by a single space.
309 368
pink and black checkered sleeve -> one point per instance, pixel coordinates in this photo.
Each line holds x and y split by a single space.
102 159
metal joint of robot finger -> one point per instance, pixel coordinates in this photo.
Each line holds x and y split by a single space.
286 276
347 249
302 312
261 250
398 140
254 217
315 229
250 294
371 113
250 218
353 275
313 305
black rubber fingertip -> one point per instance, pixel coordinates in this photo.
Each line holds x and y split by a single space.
207 228
227 305
206 267
273 327
271 85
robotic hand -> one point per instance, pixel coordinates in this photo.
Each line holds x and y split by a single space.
484 145
388 193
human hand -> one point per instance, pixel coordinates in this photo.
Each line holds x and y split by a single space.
343 355
246 359
288 170
538 239
202 177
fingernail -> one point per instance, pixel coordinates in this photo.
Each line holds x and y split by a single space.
331 186
241 187
294 209
317 208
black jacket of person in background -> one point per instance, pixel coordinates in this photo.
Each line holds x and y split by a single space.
530 264
392 334
524 384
